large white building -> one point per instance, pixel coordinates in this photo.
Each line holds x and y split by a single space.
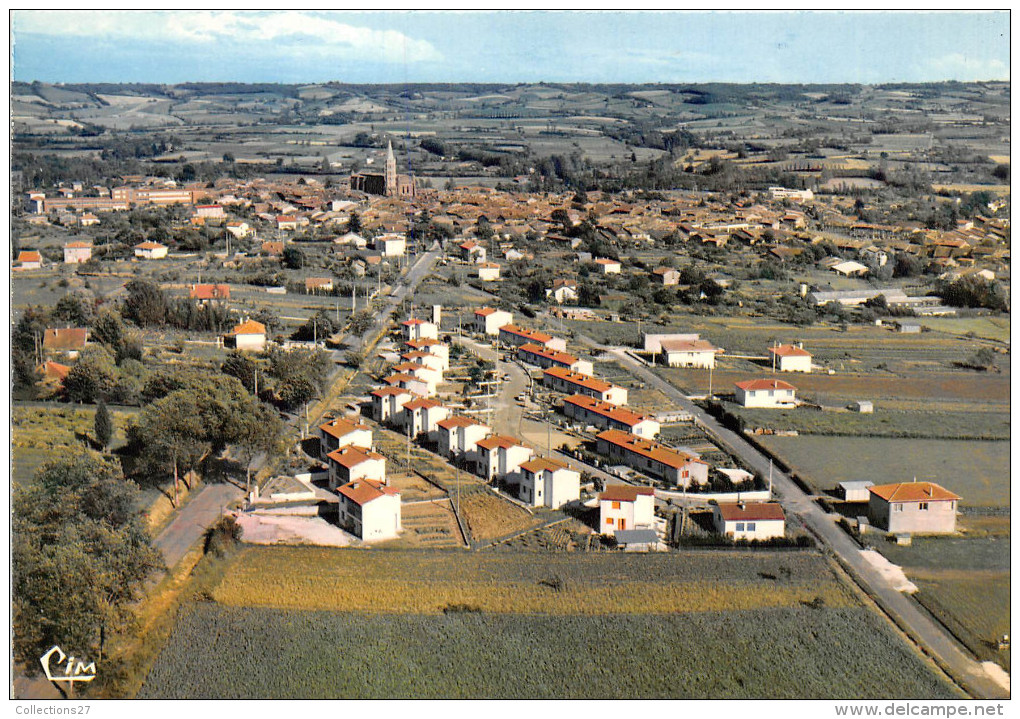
548 483
500 457
369 509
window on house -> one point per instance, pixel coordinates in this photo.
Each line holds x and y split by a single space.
897 507
772 393
750 526
616 505
952 505
609 521
923 506
740 526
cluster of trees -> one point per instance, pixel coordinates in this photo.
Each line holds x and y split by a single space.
288 378
149 306
973 291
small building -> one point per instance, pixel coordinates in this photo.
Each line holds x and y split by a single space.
544 358
913 507
500 457
413 384
855 490
351 463
241 230
391 244
250 335
639 540
272 248
388 404
488 271
431 376
88 220
315 285
850 268
286 222
766 393
607 266
77 252
864 406
369 510
688 353
749 520
471 251
563 290
459 436
150 251
548 483
666 276
908 327
623 507
416 329
29 260
342 432
424 416
489 320
790 358
433 347
67 340
209 293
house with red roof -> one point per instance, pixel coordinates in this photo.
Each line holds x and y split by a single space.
624 507
150 250
514 336
546 358
766 393
77 251
489 320
653 458
471 251
433 347
351 463
913 507
416 329
315 285
501 456
570 382
388 403
790 358
607 266
549 483
459 436
369 510
249 335
424 415
488 271
209 293
343 432
688 353
607 415
749 520
29 260
67 340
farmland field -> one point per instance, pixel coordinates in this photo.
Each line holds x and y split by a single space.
369 656
422 582
978 471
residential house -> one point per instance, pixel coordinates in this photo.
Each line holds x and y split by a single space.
607 266
288 223
856 490
489 320
272 249
433 347
53 374
150 251
424 416
416 329
913 507
624 507
459 436
790 358
666 276
563 290
431 361
209 293
66 340
544 358
514 336
29 260
88 220
250 335
315 285
653 342
500 457
766 393
548 483
77 251
471 251
645 455
390 244
369 510
488 271
570 382
749 520
688 353
412 383
388 403
429 375
209 212
850 268
342 432
241 230
605 415
351 463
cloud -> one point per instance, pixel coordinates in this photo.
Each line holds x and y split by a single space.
957 66
278 30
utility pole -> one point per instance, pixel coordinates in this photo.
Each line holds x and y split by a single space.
256 382
770 478
710 378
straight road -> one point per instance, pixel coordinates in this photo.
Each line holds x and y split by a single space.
191 522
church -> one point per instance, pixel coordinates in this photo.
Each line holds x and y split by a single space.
389 184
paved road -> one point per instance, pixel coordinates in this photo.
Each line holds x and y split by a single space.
911 618
191 522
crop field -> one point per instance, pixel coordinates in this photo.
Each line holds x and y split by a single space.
428 525
977 471
965 583
994 328
489 517
334 655
554 583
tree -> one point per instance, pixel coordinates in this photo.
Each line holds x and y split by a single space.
983 358
76 308
108 329
254 428
102 425
80 554
145 304
293 257
92 377
295 391
354 222
239 365
360 322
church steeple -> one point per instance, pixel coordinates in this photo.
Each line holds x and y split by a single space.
391 171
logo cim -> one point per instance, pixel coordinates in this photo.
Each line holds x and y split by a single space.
73 672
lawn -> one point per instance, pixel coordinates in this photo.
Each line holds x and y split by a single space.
791 652
978 471
423 582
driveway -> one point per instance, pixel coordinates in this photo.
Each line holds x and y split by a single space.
191 522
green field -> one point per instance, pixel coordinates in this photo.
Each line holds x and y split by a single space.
797 652
977 471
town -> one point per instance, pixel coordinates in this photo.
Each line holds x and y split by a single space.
812 378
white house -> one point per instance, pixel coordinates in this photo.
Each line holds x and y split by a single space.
570 382
488 271
545 358
369 510
416 329
77 251
563 291
429 375
500 456
388 404
433 362
459 436
790 358
607 266
922 507
240 229
150 251
342 432
688 353
433 347
29 260
489 320
514 336
349 464
548 483
391 244
471 251
626 507
250 335
650 457
766 393
606 415
749 520
424 416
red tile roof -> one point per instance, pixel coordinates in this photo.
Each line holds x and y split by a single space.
542 464
750 511
789 351
754 385
363 491
210 292
149 246
341 427
647 448
389 392
68 338
606 409
459 420
29 256
251 327
551 355
352 456
913 492
581 380
539 337
499 440
422 403
625 493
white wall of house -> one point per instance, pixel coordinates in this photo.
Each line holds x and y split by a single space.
922 517
704 360
358 438
490 324
549 489
374 469
751 529
795 363
376 520
616 515
252 342
765 397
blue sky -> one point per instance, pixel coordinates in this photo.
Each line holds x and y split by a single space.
396 47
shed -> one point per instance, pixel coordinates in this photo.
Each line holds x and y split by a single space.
856 490
909 327
637 540
863 406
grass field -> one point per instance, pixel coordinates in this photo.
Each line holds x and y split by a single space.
489 517
792 652
977 471
422 583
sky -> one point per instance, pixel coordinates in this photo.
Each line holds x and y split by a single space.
309 46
